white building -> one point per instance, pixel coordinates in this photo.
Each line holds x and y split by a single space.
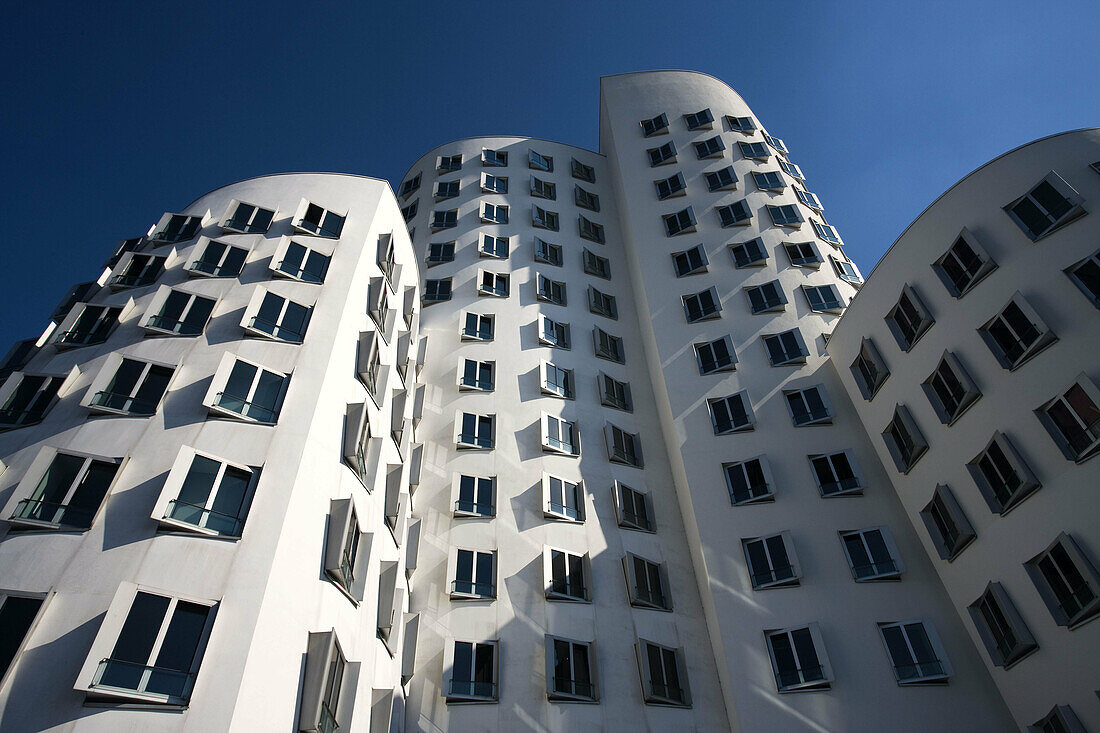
565 452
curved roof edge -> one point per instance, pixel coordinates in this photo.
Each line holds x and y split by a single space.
675 71
288 173
962 180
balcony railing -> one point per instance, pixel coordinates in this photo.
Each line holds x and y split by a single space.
472 507
919 670
170 325
53 514
125 403
836 487
141 678
475 440
569 588
752 491
796 677
773 575
802 417
469 688
213 269
675 693
570 512
244 408
10 416
299 273
200 516
576 688
274 329
875 569
472 588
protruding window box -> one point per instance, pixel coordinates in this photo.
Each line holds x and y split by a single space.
65 490
206 495
245 391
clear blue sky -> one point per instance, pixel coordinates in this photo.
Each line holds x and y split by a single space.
116 112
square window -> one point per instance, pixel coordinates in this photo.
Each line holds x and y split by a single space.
475 496
318 221
700 120
634 508
771 561
544 219
869 369
494 158
721 180
1047 207
493 284
478 327
64 490
88 324
549 291
909 319
672 186
769 181
786 215
444 219
560 436
690 262
206 495
77 294
543 189
136 271
437 290
786 348
703 306
623 447
614 393
809 199
218 259
562 499
473 668
175 228
846 270
328 684
494 213
449 163
410 186
732 414
754 151
368 365
735 214
662 155
872 554
566 575
1073 419
950 389
904 440
493 184
177 313
802 254
408 212
749 481
823 298
127 386
716 356
554 333
608 346
710 148
740 124
808 406
1001 475
272 316
1066 581
791 169
590 230
557 381
775 143
477 375
680 222
663 673
749 254
439 252
835 473
446 189
656 126
1061 718
548 253
361 449
18 614
915 652
582 172
299 262
1003 631
1016 333
26 398
241 389
538 162
474 575
647 583
946 523
570 670
602 304
585 199
963 265
766 298
798 659
493 246
1086 276
475 431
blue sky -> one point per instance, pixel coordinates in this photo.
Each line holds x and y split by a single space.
115 113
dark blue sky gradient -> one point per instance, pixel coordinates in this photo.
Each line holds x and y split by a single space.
116 112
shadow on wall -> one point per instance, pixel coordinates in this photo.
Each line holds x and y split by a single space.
127 518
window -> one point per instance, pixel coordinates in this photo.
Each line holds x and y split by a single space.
672 186
206 495
1003 631
662 155
476 496
690 262
872 554
448 163
904 440
699 120
175 312
1066 581
475 431
544 219
1001 475
493 184
946 523
446 189
710 148
664 675
1073 419
835 474
437 290
634 508
440 252
538 162
63 490
560 436
408 212
494 213
1016 333
825 232
809 199
157 647
614 393
749 254
608 346
823 298
494 284
550 291
623 447
791 169
27 398
590 230
477 375
732 414
771 561
135 271
679 222
473 672
495 158
475 575
735 214
656 126
1046 208
173 228
916 652
491 246
562 499
647 583
543 189
586 199
950 389
963 265
88 324
17 617
769 181
219 260
318 221
554 333
754 151
17 357
361 449
557 381
1086 276
249 391
716 356
741 124
775 143
1061 718
721 180
328 685
570 670
410 186
551 254
478 327
583 172
135 388
786 215
846 270
749 481
566 576
798 659
786 348
909 319
602 304
802 254
766 298
869 369
596 265
808 406
444 219
284 320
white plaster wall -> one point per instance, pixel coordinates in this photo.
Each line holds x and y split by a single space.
1063 670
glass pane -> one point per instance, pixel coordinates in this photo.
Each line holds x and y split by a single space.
182 638
55 483
16 616
135 641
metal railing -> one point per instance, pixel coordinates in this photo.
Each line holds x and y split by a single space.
472 507
244 408
141 678
124 403
801 676
200 516
274 329
37 510
566 511
172 326
473 588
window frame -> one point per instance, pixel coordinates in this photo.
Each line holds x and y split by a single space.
539 162
152 267
768 305
493 247
553 694
650 693
446 253
611 398
696 310
812 262
1065 442
564 512
344 527
794 579
428 296
760 261
680 222
250 227
712 147
619 357
481 319
301 224
1071 197
495 290
906 341
1083 567
857 477
936 678
723 179
474 593
1028 483
786 215
479 443
730 367
622 457
155 312
479 384
943 502
985 264
106 376
562 337
198 255
969 396
10 386
595 265
189 228
543 219
790 360
746 408
902 429
494 158
553 254
877 575
823 397
662 154
684 264
672 187
1025 642
260 298
595 304
701 120
444 219
631 520
37 474
1072 272
804 685
737 214
551 587
662 601
1063 715
492 183
476 484
221 380
655 126
553 428
448 683
869 353
543 189
752 498
582 172
569 387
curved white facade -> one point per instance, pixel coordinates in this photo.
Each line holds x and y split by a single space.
1003 401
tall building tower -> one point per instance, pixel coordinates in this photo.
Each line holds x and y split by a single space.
971 358
207 468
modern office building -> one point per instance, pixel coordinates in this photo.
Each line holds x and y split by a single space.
556 440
